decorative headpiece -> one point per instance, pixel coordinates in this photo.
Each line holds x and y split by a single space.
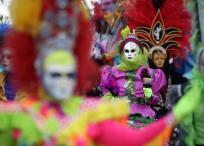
165 27
49 24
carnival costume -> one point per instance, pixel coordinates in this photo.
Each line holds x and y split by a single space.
163 27
54 116
127 79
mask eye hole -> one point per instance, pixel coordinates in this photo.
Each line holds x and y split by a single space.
133 51
55 75
71 75
126 51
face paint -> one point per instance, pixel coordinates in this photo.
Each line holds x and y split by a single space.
6 59
159 59
201 62
59 76
131 50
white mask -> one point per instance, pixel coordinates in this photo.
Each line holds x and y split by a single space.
131 50
59 81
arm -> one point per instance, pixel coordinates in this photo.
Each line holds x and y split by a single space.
159 82
105 79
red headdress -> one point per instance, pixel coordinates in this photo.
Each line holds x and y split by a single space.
161 24
37 21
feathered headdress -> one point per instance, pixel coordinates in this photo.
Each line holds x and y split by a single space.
161 24
49 24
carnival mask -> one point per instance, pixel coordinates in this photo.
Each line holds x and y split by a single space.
131 50
59 74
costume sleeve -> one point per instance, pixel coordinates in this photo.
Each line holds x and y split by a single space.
111 133
159 82
106 77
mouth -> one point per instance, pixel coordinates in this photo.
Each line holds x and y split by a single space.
129 57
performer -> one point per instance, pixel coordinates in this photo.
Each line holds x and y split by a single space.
8 87
46 116
128 79
164 30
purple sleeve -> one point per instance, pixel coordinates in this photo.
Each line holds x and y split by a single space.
159 82
105 77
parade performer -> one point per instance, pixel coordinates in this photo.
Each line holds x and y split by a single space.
128 79
8 88
55 116
164 28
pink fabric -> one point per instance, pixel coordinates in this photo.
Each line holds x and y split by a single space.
110 133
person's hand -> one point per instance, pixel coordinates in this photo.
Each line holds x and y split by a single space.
147 92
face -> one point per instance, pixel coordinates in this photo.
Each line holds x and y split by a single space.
201 62
159 59
6 59
131 50
59 80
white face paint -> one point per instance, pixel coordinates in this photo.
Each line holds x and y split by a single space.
131 50
59 81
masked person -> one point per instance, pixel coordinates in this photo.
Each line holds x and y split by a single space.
165 32
128 79
55 116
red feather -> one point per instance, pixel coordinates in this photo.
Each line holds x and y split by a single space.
141 13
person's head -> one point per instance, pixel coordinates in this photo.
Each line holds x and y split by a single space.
130 48
158 56
50 31
6 57
57 70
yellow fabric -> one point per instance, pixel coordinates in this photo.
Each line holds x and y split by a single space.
2 83
19 95
83 9
25 15
104 111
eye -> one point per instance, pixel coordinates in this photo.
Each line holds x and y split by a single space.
55 75
126 51
133 51
71 75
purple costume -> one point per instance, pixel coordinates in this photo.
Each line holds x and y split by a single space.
130 84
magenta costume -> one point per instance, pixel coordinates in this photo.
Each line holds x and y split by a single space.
130 84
